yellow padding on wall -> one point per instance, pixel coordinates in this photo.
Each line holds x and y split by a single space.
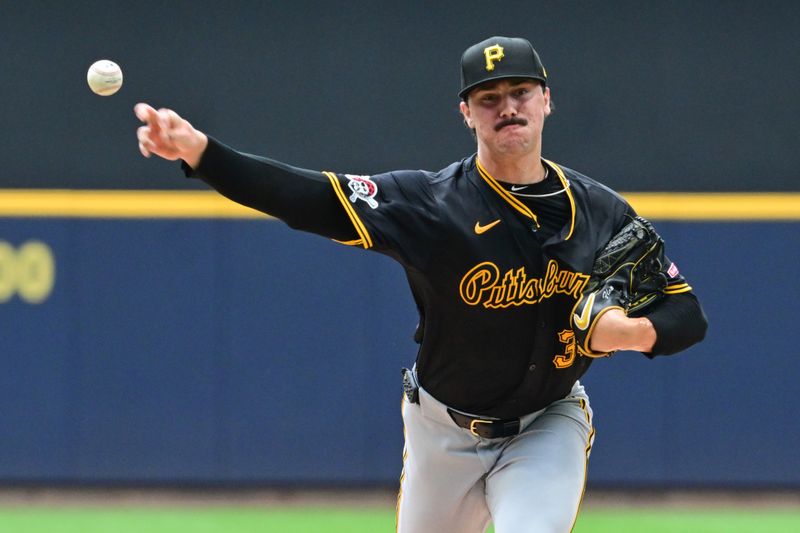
120 204
41 203
716 206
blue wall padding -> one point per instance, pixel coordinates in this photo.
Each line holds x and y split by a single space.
217 351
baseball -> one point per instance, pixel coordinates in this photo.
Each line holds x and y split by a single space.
104 77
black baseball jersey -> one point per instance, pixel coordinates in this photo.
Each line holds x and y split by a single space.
495 282
494 300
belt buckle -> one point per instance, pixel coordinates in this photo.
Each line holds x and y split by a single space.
476 421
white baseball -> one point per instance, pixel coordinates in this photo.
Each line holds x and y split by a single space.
104 77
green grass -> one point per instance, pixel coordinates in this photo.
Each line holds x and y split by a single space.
317 520
189 520
688 521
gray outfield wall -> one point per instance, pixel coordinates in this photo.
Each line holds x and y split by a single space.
671 95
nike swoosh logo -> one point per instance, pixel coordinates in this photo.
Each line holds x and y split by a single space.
582 321
483 229
515 188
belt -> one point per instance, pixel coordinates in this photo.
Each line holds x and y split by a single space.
486 428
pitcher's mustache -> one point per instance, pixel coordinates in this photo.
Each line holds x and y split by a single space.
513 121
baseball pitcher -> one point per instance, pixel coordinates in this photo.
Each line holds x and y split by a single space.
524 273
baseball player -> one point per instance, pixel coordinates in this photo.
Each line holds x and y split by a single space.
501 253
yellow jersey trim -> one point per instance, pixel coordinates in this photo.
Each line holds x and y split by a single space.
565 184
403 403
87 203
356 242
366 241
516 204
678 289
587 452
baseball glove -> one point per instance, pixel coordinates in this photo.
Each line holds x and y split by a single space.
628 274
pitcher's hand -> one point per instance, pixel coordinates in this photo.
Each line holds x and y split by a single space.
167 135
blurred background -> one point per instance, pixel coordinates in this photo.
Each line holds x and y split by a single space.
222 349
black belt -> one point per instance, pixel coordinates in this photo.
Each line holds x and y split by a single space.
486 428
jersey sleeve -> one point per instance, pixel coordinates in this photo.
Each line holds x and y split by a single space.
303 199
679 321
391 212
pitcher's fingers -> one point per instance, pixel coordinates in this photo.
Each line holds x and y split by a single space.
145 113
143 135
140 110
145 144
151 117
164 129
173 119
166 118
149 136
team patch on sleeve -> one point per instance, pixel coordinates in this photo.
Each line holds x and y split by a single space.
364 237
363 188
675 284
673 271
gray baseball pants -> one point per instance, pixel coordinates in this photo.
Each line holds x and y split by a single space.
456 482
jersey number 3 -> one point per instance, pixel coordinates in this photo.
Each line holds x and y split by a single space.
567 337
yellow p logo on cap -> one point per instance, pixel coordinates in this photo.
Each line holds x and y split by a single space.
492 53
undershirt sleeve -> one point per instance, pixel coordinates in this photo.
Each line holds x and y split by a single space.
303 199
679 322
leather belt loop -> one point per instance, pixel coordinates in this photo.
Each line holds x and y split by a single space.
410 385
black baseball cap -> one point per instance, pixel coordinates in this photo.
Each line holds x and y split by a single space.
497 58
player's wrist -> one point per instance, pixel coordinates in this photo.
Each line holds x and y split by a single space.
193 155
641 334
615 331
